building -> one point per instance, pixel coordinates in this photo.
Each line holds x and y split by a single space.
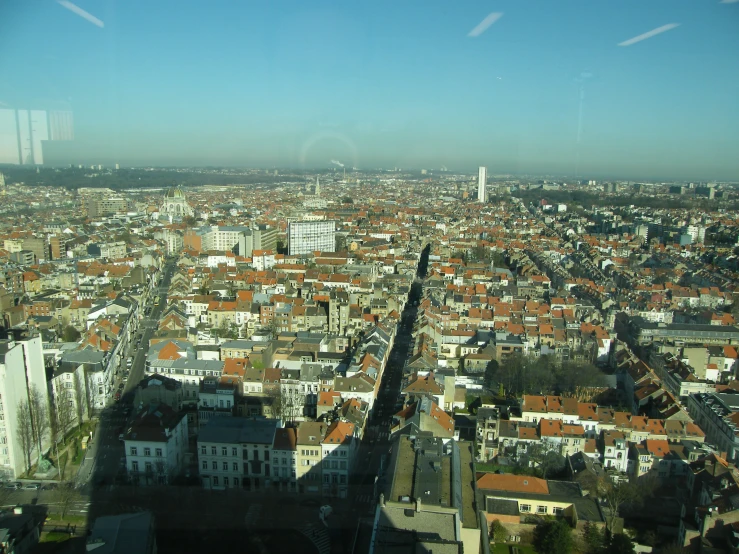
101 207
718 415
518 501
123 534
156 445
285 459
482 179
175 204
427 502
235 452
22 370
309 455
338 450
306 237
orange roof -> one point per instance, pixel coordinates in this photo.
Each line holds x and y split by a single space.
513 483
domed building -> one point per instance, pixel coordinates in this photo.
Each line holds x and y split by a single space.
175 204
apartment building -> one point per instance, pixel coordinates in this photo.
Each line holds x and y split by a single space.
306 237
309 455
338 449
285 459
156 444
236 452
21 371
718 415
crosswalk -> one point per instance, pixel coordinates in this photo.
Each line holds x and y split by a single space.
252 515
318 535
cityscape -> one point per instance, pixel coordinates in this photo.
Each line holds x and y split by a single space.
369 278
368 361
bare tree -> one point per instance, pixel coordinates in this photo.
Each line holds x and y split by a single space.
39 406
616 495
25 431
63 409
65 495
80 397
161 469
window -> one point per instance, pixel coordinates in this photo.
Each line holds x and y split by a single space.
215 481
203 450
326 478
134 466
134 451
148 467
224 451
213 450
159 452
225 481
525 507
284 461
236 481
342 479
225 466
557 511
343 464
235 466
147 451
541 509
205 464
266 456
234 452
214 465
342 453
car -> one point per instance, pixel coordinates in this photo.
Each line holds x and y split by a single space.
14 486
48 487
31 486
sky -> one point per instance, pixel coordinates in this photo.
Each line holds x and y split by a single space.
552 87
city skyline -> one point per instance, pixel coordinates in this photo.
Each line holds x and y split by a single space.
590 90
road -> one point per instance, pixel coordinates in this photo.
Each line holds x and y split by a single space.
102 461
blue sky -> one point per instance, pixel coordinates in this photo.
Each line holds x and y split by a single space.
386 84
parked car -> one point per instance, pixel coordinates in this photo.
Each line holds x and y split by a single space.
32 486
14 486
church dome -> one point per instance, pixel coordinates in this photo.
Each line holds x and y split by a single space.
175 192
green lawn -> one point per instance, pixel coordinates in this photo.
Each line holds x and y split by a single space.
506 549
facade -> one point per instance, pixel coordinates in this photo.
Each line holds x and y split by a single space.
156 445
308 456
306 237
285 459
338 450
175 204
21 370
235 452
101 207
482 179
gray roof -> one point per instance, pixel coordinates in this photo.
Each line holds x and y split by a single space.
238 430
125 533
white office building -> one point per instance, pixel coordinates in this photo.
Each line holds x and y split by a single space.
21 369
482 179
306 237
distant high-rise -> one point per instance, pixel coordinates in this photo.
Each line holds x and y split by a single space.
305 237
317 190
482 179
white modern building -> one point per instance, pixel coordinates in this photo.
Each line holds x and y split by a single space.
482 179
21 370
306 237
156 445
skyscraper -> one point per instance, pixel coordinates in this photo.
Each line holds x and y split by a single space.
482 178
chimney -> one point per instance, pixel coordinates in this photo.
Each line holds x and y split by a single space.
418 504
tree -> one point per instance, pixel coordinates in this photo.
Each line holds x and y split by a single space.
64 413
553 537
615 495
65 495
347 200
70 334
593 538
24 428
498 531
620 544
80 397
491 370
39 406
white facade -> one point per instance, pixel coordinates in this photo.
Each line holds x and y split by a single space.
482 179
156 457
21 368
306 237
